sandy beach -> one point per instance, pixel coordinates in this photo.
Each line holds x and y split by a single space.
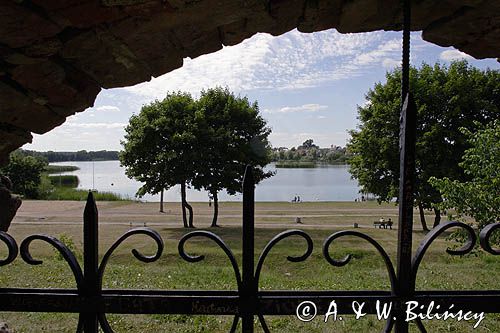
272 214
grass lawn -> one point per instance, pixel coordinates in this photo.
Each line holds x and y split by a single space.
438 271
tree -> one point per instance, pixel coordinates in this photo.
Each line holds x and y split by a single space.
231 135
447 98
206 143
480 196
25 173
309 143
159 147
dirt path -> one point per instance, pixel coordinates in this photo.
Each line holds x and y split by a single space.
267 214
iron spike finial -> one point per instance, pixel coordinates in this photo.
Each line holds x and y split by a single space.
91 204
248 178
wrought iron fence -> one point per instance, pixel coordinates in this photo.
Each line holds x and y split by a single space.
247 303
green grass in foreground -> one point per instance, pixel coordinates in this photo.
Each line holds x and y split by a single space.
60 168
366 271
66 193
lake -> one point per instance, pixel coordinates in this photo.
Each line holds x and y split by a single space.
324 183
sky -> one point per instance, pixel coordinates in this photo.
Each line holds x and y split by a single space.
306 85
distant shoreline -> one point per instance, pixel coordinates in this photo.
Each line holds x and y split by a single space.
303 164
277 164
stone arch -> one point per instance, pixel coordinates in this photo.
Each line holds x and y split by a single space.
56 55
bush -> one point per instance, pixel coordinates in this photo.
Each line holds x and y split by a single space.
293 164
70 244
45 188
65 181
60 168
65 193
25 172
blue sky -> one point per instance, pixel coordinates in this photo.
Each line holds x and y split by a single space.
307 86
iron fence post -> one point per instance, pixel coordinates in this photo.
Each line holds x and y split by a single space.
407 138
90 288
248 295
406 188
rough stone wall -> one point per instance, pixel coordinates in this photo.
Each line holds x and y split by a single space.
10 203
55 55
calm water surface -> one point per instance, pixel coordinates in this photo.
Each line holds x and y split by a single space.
326 183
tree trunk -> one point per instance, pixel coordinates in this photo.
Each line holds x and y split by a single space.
190 209
437 218
161 202
422 217
183 204
216 209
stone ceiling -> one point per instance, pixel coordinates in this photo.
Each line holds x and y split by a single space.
56 55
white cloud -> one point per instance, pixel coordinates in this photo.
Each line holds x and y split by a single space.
380 54
389 63
450 55
72 136
102 109
95 125
291 61
302 108
108 108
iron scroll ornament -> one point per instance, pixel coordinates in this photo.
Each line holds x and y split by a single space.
278 238
485 238
70 258
210 235
436 232
466 248
342 262
329 241
154 235
426 243
65 252
12 249
345 260
197 258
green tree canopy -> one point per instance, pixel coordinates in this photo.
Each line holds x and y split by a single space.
159 148
447 99
25 172
231 135
309 143
204 143
480 196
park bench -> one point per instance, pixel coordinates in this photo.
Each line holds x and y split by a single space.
383 224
